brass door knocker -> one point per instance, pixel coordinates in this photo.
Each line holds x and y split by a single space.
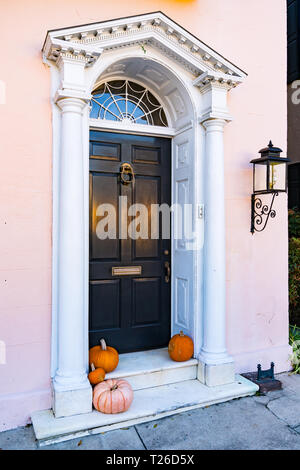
126 174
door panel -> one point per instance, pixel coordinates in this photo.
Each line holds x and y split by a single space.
132 312
146 155
105 151
105 304
104 190
182 252
146 301
147 192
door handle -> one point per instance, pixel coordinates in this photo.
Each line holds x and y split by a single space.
167 272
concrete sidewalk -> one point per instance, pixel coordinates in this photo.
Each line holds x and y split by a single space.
259 422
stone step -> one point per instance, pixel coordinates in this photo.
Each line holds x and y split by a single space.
148 405
147 369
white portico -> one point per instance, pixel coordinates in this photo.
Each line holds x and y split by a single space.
192 82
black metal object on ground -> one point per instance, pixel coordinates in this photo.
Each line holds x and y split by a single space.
264 379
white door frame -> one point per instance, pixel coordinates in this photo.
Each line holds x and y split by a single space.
192 82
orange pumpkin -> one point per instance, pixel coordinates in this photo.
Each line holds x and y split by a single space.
104 356
96 375
112 396
181 347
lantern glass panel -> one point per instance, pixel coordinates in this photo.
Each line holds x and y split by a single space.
277 176
260 177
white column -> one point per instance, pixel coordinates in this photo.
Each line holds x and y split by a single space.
216 367
72 391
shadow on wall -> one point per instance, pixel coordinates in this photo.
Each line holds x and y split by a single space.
294 185
294 266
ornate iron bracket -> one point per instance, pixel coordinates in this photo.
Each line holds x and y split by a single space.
260 213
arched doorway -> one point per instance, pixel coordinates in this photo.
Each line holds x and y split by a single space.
191 81
169 115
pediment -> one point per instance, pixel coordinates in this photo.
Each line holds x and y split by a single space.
89 41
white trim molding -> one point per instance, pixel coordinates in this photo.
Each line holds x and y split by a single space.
214 357
192 82
87 43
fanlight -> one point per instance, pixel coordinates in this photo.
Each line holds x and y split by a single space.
127 102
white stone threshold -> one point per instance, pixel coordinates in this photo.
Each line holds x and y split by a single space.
148 369
149 404
146 362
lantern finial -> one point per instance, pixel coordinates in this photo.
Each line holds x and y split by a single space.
270 144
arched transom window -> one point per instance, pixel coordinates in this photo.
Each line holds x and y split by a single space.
126 101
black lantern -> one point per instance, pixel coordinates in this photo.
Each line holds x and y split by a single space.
269 177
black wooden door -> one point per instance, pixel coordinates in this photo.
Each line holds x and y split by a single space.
131 311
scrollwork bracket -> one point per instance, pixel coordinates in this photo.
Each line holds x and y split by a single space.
261 213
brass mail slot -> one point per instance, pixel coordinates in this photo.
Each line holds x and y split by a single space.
126 270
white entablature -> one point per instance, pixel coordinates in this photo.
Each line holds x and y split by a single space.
88 42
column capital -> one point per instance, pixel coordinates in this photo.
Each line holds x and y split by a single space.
60 51
216 124
71 59
64 97
218 80
214 93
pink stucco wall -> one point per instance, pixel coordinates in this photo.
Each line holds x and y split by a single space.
257 272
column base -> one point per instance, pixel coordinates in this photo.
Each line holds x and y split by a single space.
72 402
213 375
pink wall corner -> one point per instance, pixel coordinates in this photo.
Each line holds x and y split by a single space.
15 410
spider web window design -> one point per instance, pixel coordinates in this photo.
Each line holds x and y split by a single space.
127 102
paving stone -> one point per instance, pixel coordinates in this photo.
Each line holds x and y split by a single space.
287 409
20 438
265 399
290 383
262 399
121 439
297 429
241 424
276 394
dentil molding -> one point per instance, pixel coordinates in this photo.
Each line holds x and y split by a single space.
86 43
